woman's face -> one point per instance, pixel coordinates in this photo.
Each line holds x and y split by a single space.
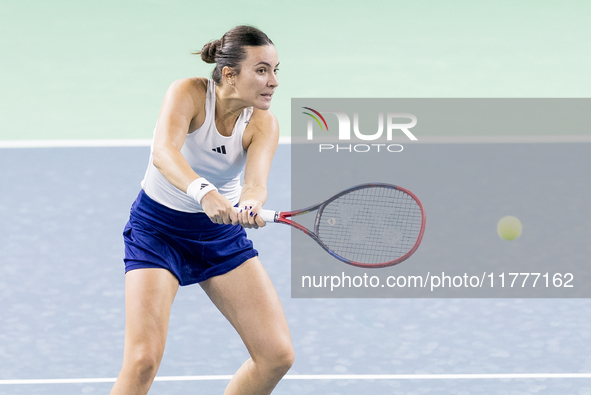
257 80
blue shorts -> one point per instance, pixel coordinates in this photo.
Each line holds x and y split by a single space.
188 245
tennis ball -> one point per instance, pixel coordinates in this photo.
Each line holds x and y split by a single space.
509 228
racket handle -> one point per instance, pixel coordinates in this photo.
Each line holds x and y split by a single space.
266 215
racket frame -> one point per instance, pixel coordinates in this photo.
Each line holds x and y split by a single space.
282 218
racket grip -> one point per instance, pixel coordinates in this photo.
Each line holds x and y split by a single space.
266 215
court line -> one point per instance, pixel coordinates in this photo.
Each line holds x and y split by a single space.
288 140
504 139
74 143
86 143
454 140
486 376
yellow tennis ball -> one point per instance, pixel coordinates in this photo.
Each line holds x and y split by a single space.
509 228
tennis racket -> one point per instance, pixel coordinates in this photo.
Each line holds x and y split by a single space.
369 225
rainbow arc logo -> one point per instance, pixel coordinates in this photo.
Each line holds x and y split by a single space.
316 119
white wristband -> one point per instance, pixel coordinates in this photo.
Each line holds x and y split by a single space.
198 188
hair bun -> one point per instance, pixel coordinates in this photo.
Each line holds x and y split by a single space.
209 51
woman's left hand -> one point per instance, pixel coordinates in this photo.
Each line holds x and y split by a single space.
248 216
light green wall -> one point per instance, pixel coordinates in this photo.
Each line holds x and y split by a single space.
85 69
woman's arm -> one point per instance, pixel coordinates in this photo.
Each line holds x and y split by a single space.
183 109
180 106
261 143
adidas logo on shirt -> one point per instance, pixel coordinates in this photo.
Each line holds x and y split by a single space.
220 150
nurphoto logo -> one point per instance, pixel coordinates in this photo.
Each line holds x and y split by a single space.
344 131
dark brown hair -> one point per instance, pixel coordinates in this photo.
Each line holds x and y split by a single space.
229 51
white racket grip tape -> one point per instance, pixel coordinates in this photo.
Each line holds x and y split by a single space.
266 215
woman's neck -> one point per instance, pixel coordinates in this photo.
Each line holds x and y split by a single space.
227 109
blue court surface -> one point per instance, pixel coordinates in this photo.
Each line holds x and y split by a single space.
62 212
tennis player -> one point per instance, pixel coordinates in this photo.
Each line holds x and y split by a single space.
183 228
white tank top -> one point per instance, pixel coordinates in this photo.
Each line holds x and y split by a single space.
220 159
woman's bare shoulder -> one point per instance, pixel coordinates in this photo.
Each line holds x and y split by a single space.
195 86
264 119
189 93
263 125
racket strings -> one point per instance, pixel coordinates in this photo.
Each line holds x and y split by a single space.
371 225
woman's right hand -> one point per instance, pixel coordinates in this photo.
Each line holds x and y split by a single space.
219 209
